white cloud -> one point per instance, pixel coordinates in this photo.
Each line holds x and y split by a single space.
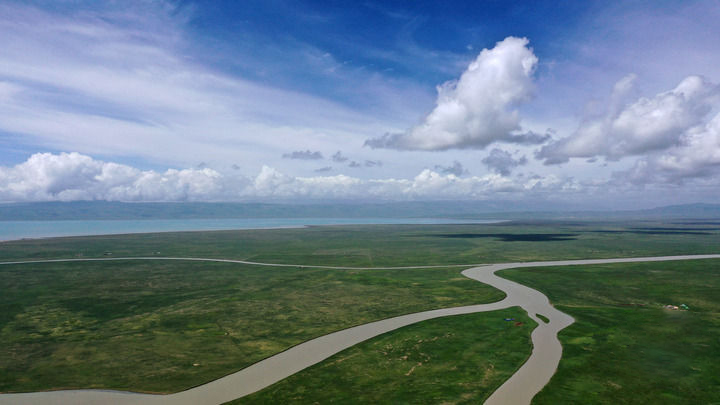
74 176
699 153
478 108
126 81
646 125
696 158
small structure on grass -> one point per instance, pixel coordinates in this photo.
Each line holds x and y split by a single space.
675 307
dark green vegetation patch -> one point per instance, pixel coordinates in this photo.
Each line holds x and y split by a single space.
625 347
543 318
458 359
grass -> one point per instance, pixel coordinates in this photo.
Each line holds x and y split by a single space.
394 245
624 347
164 326
458 359
543 318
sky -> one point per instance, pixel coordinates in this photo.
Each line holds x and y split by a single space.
593 104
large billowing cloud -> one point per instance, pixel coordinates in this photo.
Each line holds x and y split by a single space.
644 126
74 176
698 155
696 158
478 108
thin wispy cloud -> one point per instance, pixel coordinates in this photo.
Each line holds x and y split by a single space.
99 81
303 155
338 157
456 169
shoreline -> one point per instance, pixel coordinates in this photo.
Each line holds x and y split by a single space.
80 228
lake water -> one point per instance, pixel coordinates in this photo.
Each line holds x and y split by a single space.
11 230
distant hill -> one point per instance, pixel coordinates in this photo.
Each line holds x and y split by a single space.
696 210
440 209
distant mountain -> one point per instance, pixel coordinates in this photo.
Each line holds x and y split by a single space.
83 210
688 210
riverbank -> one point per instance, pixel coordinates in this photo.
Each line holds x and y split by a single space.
518 389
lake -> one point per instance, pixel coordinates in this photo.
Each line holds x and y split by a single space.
12 230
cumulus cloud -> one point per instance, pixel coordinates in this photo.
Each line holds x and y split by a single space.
646 125
478 108
697 157
502 162
456 169
74 176
303 155
426 185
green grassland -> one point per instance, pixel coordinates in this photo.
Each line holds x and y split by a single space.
395 245
453 360
624 347
163 326
142 325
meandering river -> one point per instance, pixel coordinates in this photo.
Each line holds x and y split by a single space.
520 388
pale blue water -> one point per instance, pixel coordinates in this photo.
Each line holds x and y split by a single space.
11 230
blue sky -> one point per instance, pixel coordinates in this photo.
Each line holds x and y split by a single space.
599 104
